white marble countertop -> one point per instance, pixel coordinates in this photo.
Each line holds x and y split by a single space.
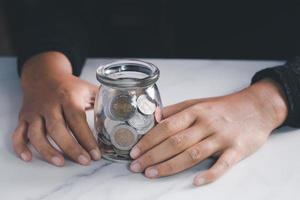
272 173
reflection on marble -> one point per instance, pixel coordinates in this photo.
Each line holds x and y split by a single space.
272 173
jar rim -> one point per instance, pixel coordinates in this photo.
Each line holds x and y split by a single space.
150 70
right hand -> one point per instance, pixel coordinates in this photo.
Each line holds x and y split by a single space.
54 107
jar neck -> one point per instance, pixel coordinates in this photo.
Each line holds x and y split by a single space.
128 74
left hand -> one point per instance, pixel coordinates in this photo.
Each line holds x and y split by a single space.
232 126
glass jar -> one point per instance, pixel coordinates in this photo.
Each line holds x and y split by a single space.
127 106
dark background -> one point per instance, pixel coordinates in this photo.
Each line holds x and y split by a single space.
184 29
6 48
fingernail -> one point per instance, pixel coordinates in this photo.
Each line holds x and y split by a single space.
57 161
199 181
135 152
83 160
135 167
95 154
151 173
24 156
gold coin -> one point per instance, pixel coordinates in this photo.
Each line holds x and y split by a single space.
122 107
124 137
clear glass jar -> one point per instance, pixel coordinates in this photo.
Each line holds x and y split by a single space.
127 106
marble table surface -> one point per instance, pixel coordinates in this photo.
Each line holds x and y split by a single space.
272 173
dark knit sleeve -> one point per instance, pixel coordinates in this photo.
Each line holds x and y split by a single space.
41 26
288 76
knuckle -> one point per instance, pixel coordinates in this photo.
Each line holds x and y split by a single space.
54 116
70 148
211 124
29 116
64 93
209 146
167 169
225 164
176 141
238 144
52 125
224 137
51 128
148 158
142 144
31 135
167 125
194 154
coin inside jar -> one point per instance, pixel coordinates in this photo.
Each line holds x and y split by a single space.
122 107
147 128
146 106
140 121
123 137
110 124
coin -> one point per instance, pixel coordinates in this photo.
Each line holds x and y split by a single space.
122 107
98 121
145 105
147 128
140 121
104 137
123 137
110 124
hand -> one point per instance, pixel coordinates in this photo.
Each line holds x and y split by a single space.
54 107
232 126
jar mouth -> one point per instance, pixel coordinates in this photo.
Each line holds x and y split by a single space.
127 73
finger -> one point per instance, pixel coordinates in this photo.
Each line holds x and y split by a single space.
173 109
186 159
58 131
77 122
170 147
19 139
163 130
90 99
223 164
38 139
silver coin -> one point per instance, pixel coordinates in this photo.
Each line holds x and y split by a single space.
98 121
122 153
145 105
104 137
147 128
110 124
140 121
122 107
123 137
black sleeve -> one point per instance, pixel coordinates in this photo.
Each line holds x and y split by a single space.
288 76
41 26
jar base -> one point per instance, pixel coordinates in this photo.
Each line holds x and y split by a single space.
116 158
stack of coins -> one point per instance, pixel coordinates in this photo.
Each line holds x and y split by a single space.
126 119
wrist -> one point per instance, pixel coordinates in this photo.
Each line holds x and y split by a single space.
270 99
45 67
